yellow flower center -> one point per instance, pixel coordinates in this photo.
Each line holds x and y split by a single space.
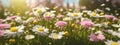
12 23
49 14
35 22
66 33
114 43
84 15
55 36
67 18
75 14
72 24
14 29
41 29
108 22
55 7
12 40
101 13
39 11
93 14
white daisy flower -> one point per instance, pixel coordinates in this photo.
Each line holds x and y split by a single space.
114 33
110 31
49 14
118 35
99 25
18 19
89 12
75 15
85 11
107 8
83 19
38 10
67 19
115 25
28 37
56 35
98 32
47 8
40 30
110 42
119 29
92 28
30 19
93 14
102 5
14 31
105 24
117 13
99 10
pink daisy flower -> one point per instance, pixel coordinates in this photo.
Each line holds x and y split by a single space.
2 26
115 19
109 16
1 33
93 37
100 36
13 17
61 23
87 23
96 37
